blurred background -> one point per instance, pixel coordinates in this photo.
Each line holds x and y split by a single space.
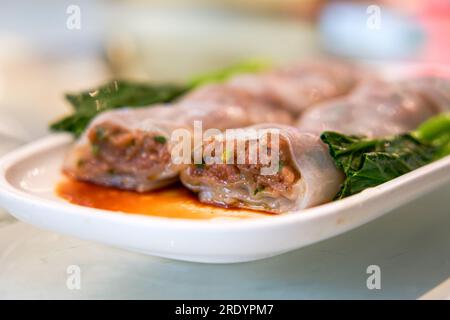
49 47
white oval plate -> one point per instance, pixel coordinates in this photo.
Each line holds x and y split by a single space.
28 177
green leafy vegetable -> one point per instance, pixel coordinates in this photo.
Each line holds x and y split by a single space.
371 162
436 132
119 93
246 66
115 94
368 163
122 93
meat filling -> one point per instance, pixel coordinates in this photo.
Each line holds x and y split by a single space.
129 156
278 184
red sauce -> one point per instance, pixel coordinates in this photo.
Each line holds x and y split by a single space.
173 202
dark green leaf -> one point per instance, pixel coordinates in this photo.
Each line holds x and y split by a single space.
74 124
120 93
200 165
113 95
258 190
371 162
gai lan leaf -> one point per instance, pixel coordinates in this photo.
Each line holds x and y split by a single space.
120 93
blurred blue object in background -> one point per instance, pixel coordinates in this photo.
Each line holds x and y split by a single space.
369 32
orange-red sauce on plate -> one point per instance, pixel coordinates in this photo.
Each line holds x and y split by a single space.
173 202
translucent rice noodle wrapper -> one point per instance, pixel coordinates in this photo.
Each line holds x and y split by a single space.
435 90
306 175
378 109
131 148
299 86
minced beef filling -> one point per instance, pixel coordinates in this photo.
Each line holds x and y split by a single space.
279 183
119 150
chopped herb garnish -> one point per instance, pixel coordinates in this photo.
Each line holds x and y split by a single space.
281 164
100 133
200 165
80 163
95 149
226 155
160 139
258 189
